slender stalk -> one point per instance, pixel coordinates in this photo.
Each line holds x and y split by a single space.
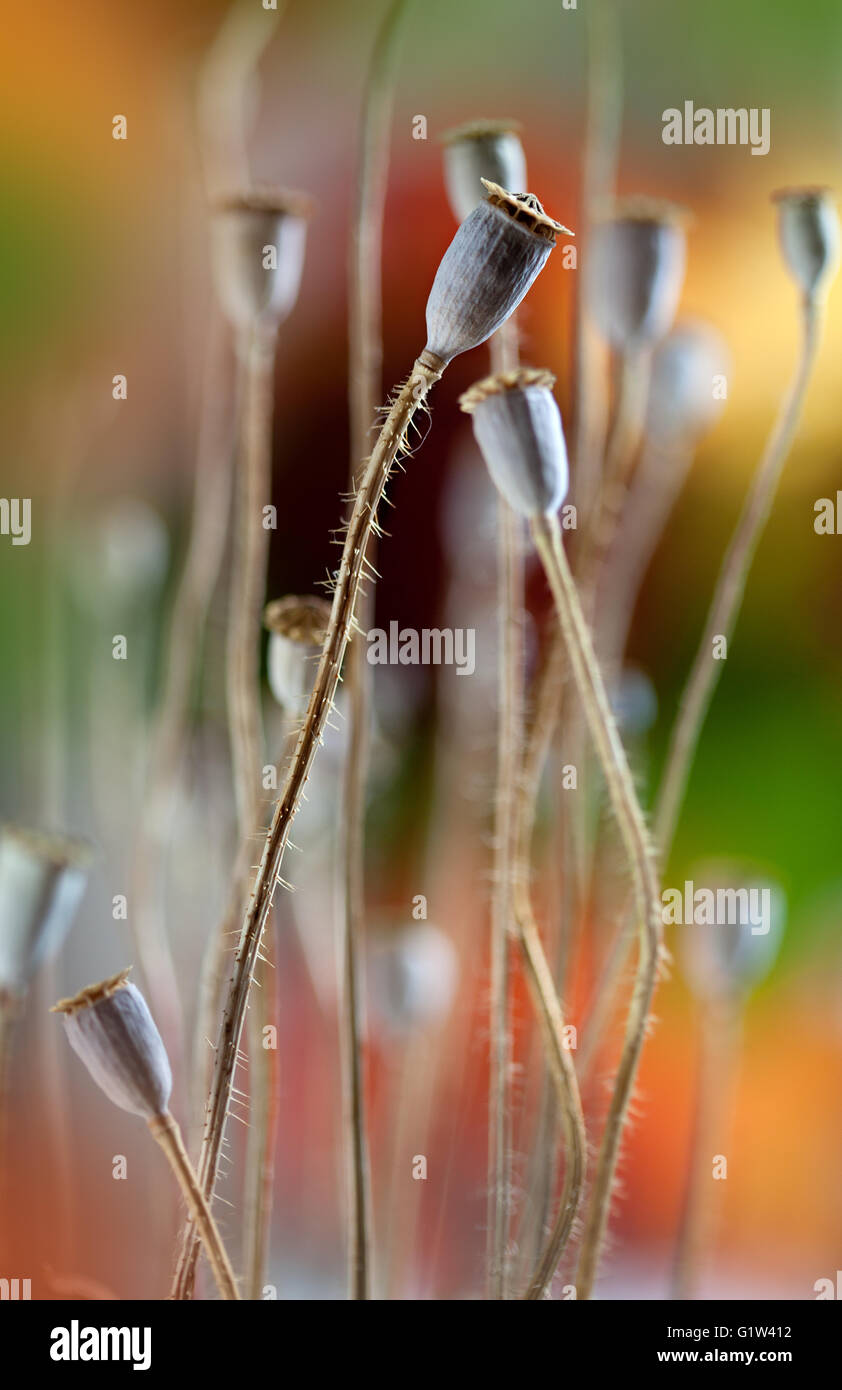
8 1014
365 344
602 141
510 586
165 1129
509 737
245 721
248 579
540 979
636 839
718 1052
730 586
208 529
547 697
391 441
547 1007
660 476
224 84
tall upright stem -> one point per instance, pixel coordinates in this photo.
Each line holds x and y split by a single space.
208 530
602 141
245 722
365 354
719 1043
248 579
391 441
510 585
638 847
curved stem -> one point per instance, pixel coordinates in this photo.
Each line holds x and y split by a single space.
365 353
730 586
638 847
540 980
391 441
208 530
166 1131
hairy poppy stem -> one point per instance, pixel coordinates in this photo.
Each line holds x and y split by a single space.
547 535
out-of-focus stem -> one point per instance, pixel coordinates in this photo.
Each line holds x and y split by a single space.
510 584
208 529
602 142
719 1041
638 847
365 354
730 586
248 579
245 721
390 442
224 92
540 980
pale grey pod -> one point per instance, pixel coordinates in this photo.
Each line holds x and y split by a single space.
518 428
42 880
635 272
257 246
110 1027
481 150
413 976
120 557
728 958
682 403
496 254
297 628
808 225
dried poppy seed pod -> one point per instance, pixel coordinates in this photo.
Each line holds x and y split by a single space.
42 880
481 150
635 271
808 225
297 628
257 245
518 428
489 266
110 1027
683 402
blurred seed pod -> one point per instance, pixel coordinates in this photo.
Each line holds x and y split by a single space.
488 268
481 150
635 271
517 425
634 702
728 959
682 404
42 880
808 225
121 557
413 976
110 1027
297 628
257 254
